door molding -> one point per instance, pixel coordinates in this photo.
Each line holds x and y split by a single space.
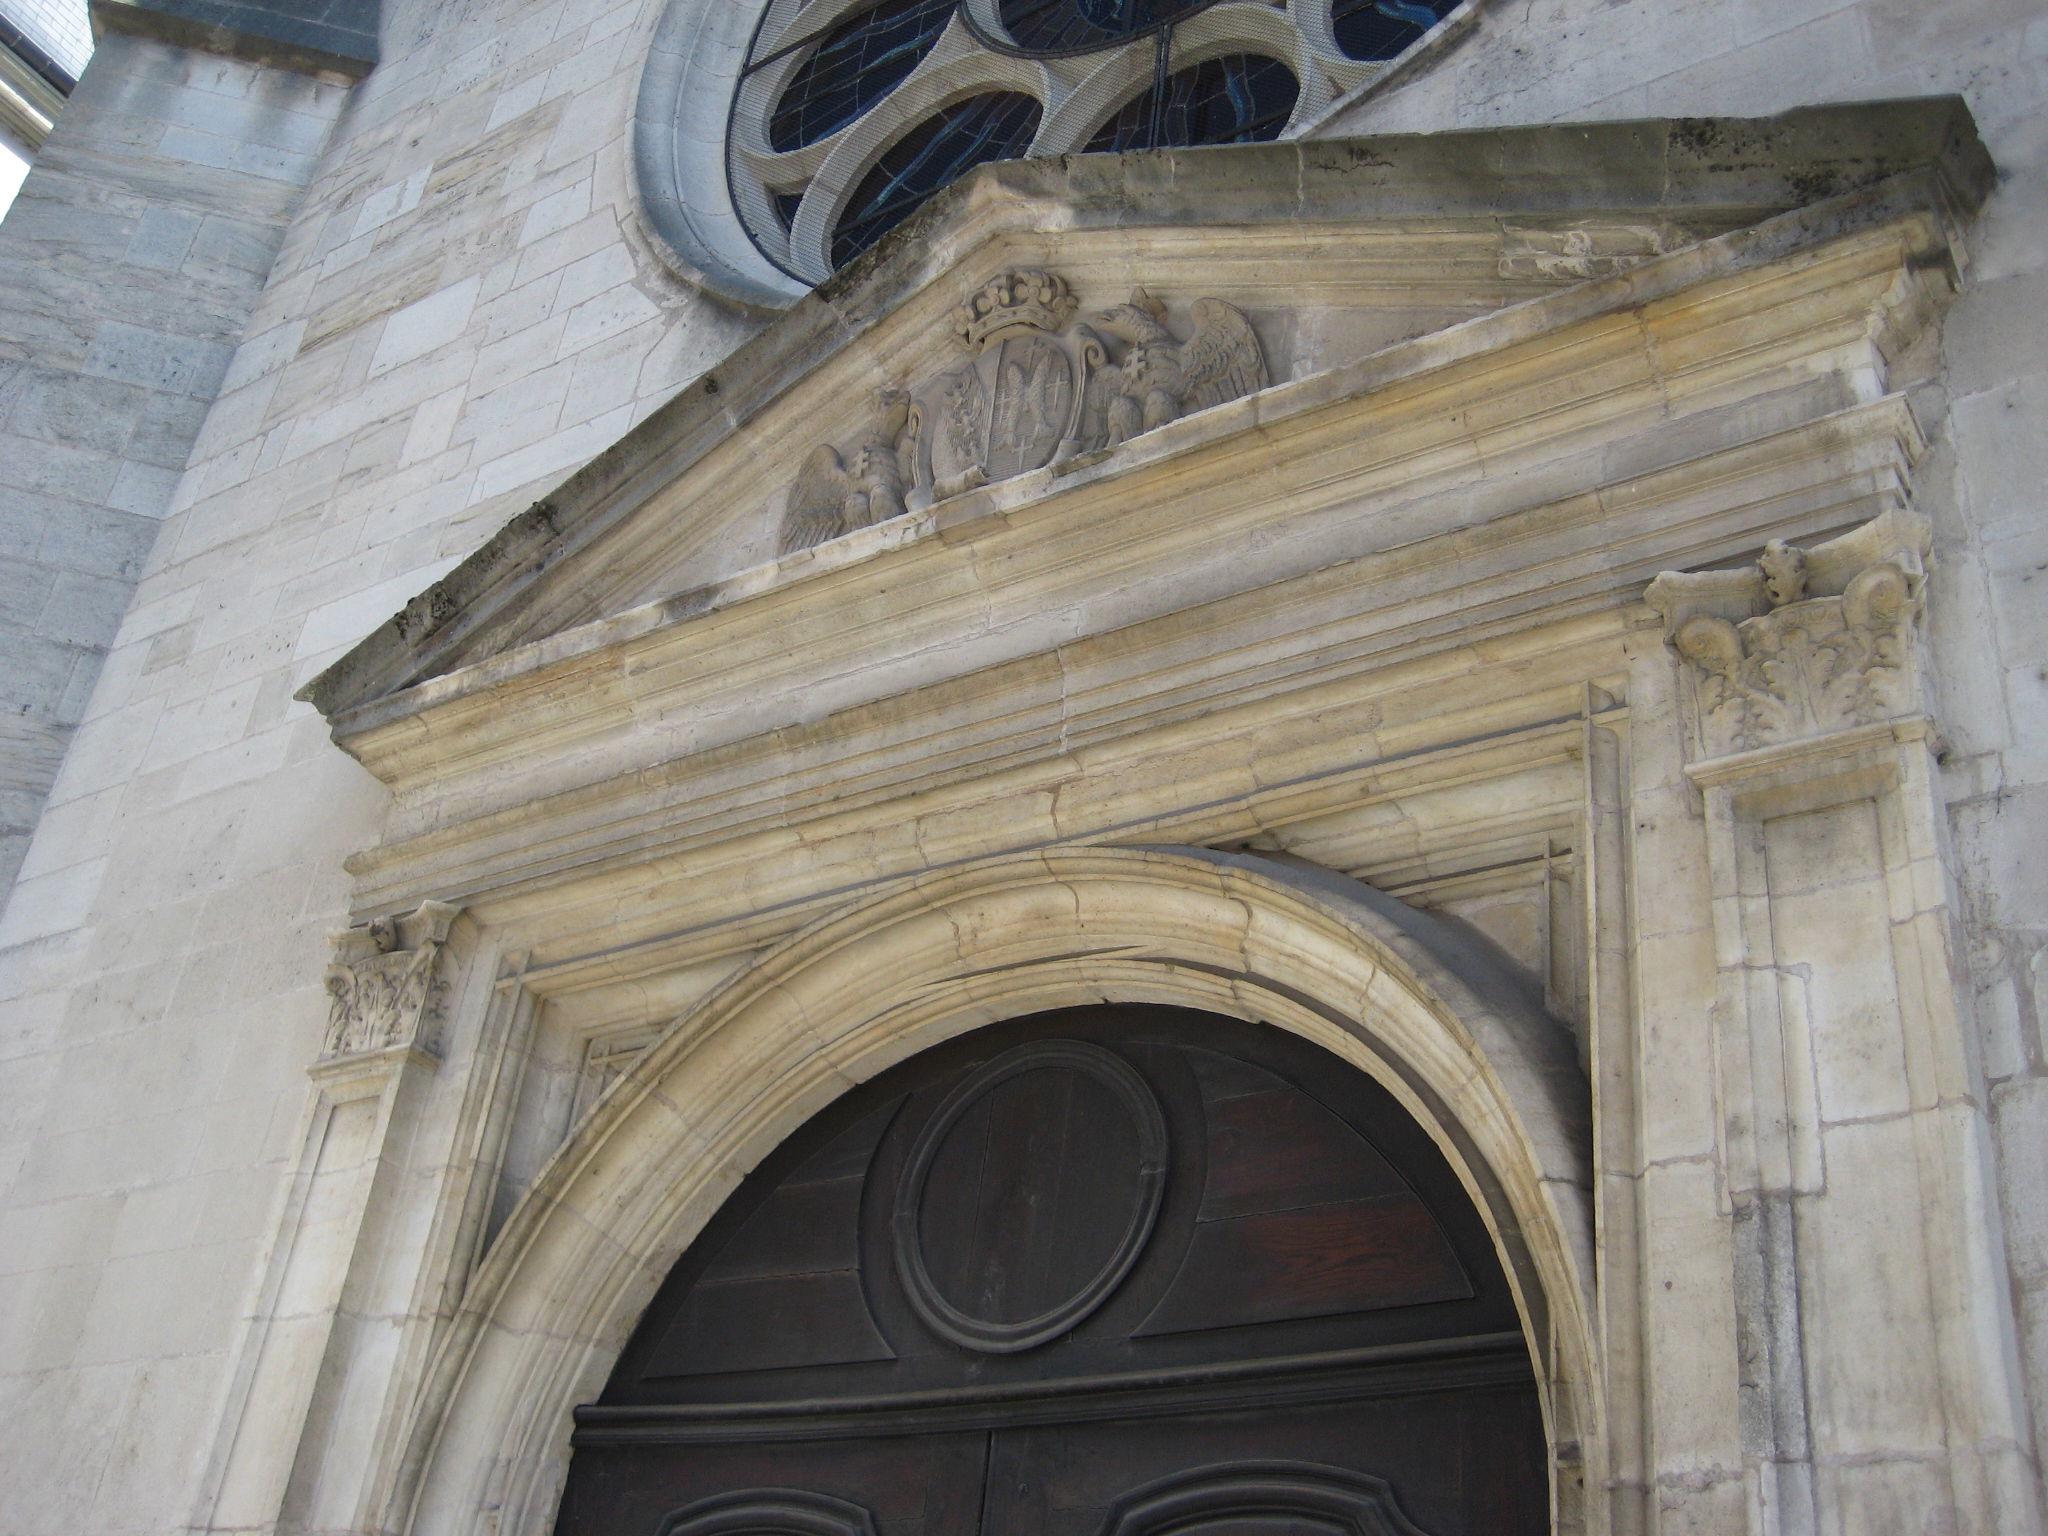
1490 1076
984 1334
1351 1503
790 1510
1379 1370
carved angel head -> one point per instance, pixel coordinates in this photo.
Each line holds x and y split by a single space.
1784 571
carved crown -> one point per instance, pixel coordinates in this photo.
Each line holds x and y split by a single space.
1025 300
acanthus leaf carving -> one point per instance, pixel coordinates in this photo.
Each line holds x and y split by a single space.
1805 641
1036 389
384 985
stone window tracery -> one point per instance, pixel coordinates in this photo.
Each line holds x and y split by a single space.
846 115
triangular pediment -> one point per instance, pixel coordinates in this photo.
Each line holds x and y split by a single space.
1045 323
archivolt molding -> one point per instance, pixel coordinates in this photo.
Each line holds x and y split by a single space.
1493 1079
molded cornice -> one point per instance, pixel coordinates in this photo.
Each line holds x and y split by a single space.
1453 226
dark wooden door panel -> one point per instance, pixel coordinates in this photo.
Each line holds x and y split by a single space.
1123 1260
912 1485
1029 1194
1466 1463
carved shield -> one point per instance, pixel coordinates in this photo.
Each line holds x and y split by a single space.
1005 413
959 445
1032 406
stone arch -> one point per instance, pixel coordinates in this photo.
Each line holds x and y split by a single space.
1491 1077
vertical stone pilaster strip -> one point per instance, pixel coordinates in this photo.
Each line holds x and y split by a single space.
1869 1290
1619 1491
382 1041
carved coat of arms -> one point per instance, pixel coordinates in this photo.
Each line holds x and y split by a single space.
1036 389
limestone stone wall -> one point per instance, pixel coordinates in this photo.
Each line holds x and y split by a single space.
464 309
1982 398
129 262
459 313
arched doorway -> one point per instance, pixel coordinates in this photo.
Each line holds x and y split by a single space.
1118 1269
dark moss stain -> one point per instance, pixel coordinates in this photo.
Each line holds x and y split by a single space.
1815 184
1697 135
688 604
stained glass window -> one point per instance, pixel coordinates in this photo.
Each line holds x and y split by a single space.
858 63
1073 26
1017 74
1238 99
945 146
1380 29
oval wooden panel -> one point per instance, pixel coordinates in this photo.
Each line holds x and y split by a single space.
1029 1195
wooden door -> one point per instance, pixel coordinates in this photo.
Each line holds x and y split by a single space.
1104 1272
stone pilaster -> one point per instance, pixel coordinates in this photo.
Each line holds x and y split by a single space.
1880 1388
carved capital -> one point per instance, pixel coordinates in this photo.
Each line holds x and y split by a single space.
385 986
1804 642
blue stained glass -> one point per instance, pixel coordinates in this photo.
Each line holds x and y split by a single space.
942 148
1074 26
856 64
1382 29
1240 98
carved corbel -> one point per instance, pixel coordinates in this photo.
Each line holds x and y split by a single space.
1805 642
385 986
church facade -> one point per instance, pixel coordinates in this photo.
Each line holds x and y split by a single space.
961 766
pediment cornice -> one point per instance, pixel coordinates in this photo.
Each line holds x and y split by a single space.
1356 261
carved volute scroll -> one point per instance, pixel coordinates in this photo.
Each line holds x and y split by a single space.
385 986
1036 389
1804 642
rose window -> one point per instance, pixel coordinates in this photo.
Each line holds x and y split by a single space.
850 113
845 116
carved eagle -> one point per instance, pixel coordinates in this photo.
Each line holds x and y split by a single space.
1160 377
835 495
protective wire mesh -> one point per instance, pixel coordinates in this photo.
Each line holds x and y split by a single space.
1066 26
858 63
1237 99
946 145
1381 29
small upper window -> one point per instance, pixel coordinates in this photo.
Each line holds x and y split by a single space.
1380 29
850 114
948 144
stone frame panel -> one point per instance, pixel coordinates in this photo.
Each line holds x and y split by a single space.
1428 1015
631 782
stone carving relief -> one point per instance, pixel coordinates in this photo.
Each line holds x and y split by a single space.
1804 642
384 986
1576 252
1036 389
606 1059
